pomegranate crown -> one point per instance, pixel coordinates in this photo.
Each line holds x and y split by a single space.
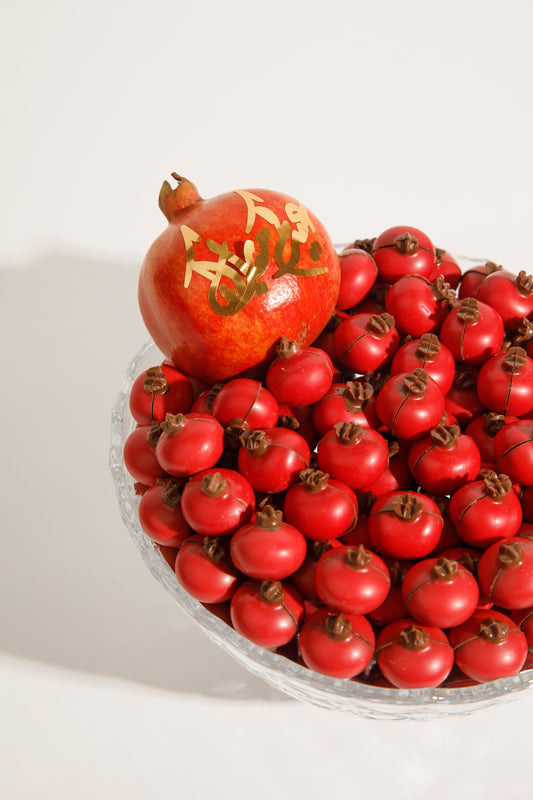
173 201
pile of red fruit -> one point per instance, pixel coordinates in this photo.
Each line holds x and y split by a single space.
366 508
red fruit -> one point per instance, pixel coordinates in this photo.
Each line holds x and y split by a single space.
268 548
486 511
403 250
414 656
351 579
505 383
527 504
272 459
159 390
393 607
244 403
161 517
417 305
299 376
304 577
488 646
217 503
367 342
483 430
353 454
462 400
338 645
189 443
444 460
447 266
472 332
203 569
233 274
320 507
405 525
511 295
353 401
513 448
358 275
472 278
140 454
397 475
410 405
505 572
429 354
440 592
269 613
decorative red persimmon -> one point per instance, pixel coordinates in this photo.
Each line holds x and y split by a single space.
161 516
272 459
447 266
505 572
304 577
405 525
217 503
403 250
418 305
140 454
299 376
268 613
320 507
231 275
413 656
472 332
483 430
444 460
367 341
189 443
244 403
488 646
505 383
338 645
353 401
410 405
511 295
472 278
393 607
462 400
159 390
396 477
486 510
268 548
204 570
351 579
353 454
440 592
513 448
429 354
358 275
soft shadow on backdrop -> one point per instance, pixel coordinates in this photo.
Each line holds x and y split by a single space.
74 590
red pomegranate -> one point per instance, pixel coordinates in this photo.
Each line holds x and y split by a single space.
231 275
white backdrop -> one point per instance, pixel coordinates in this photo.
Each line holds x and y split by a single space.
372 114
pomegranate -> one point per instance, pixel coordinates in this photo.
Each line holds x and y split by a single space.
232 275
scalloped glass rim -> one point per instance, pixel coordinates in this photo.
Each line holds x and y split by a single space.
281 673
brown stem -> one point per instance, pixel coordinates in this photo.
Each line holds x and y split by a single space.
493 630
416 382
214 485
428 347
357 557
380 324
256 442
338 627
510 554
269 518
173 201
407 507
314 479
496 486
445 569
287 348
155 382
445 435
515 360
174 423
348 432
468 310
414 638
272 592
212 548
406 243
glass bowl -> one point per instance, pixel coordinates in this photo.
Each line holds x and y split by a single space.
287 676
